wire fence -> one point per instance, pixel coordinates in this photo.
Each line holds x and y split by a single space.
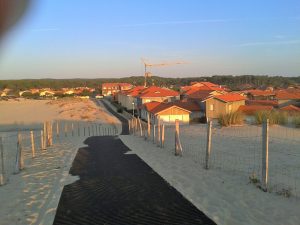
18 148
238 151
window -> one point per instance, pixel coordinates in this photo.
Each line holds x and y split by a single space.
147 100
211 107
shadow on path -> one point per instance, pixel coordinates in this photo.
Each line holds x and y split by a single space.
119 188
125 128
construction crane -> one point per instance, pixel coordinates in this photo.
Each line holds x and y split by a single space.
146 65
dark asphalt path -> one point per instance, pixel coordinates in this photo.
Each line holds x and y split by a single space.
117 187
125 128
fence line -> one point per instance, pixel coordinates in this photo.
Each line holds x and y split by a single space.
267 156
18 146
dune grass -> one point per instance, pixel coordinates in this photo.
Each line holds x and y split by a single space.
233 118
275 117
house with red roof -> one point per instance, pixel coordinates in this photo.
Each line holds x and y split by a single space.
291 109
257 94
168 112
158 94
288 97
128 98
201 86
223 104
109 89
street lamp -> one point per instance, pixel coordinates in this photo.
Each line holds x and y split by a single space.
133 109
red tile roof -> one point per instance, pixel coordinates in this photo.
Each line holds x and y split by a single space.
200 94
201 86
230 97
286 95
191 106
135 91
251 109
157 107
151 105
154 91
257 92
164 106
290 108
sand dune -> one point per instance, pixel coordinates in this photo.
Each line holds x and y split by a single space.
26 111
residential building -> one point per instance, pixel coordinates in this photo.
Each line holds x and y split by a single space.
157 94
168 112
260 94
223 104
109 89
288 97
128 99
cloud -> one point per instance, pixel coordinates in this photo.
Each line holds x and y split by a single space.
176 22
288 42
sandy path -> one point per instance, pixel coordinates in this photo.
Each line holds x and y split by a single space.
224 193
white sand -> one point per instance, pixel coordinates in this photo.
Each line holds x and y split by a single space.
32 196
224 193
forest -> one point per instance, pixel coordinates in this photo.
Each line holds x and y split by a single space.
233 82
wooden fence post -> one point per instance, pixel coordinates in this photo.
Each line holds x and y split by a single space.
42 139
72 127
178 147
19 156
158 133
265 154
154 135
45 134
51 133
2 172
163 136
149 126
48 134
78 129
57 129
32 144
129 126
140 126
65 129
208 144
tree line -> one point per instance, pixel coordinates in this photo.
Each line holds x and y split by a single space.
233 82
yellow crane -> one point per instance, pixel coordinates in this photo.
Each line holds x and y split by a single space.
146 65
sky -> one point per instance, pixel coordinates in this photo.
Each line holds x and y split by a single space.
108 38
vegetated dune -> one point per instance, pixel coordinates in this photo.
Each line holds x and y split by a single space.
24 111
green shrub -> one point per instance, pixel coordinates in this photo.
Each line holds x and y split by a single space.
232 118
275 117
296 121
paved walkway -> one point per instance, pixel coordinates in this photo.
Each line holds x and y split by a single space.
117 187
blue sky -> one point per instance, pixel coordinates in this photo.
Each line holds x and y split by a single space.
97 38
